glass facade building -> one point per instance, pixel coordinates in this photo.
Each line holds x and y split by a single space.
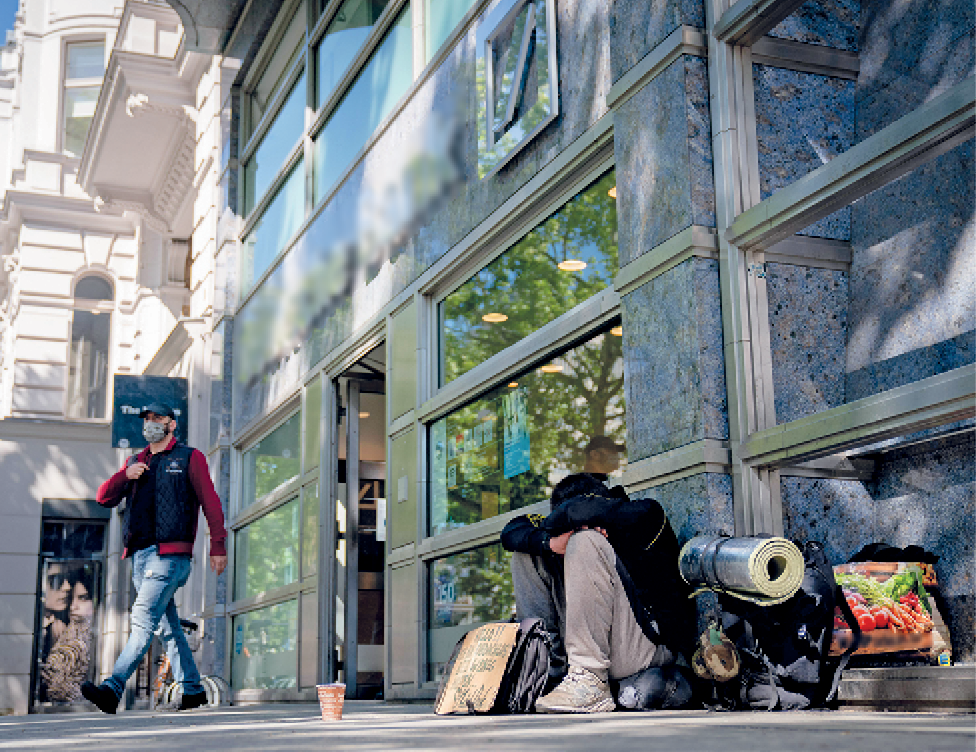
473 237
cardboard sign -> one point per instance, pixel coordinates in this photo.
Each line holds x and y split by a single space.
474 679
897 596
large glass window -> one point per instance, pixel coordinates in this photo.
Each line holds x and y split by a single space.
88 364
274 229
507 449
266 648
566 259
266 552
275 75
466 590
276 144
83 71
273 461
379 86
440 19
345 34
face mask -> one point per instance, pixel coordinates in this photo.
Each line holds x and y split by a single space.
153 432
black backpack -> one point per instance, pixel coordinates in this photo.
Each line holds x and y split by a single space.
526 673
783 649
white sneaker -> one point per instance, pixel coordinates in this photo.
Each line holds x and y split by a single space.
580 692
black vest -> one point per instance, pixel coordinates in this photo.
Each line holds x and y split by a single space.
177 505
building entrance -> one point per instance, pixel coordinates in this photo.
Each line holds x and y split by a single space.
361 527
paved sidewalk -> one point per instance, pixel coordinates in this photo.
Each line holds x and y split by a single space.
375 727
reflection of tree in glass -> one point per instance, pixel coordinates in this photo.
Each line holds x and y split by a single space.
525 283
269 549
271 472
482 577
565 409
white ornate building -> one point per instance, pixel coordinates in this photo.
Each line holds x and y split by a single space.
99 163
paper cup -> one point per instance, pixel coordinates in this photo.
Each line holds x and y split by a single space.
331 697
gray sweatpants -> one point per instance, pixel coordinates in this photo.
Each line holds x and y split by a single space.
587 603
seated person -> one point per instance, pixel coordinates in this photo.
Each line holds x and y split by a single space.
602 572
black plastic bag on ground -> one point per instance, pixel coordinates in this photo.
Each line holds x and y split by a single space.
656 688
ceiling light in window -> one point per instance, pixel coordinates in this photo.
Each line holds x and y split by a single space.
617 331
551 368
494 318
95 313
363 414
612 193
572 265
513 385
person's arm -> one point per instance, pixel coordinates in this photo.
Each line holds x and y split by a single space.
112 491
203 486
526 535
628 524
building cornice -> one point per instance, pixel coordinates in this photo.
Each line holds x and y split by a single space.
57 431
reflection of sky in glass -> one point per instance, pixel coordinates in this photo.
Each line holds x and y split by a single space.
86 60
379 86
279 222
526 284
276 145
346 33
440 19
470 475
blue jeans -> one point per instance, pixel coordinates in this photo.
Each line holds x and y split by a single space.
157 578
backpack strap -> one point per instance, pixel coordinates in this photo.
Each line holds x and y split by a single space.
851 620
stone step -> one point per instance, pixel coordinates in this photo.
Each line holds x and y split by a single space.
951 688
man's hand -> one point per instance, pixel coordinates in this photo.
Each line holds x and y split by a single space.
558 543
135 470
218 564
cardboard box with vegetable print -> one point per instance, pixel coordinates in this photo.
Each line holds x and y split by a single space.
895 609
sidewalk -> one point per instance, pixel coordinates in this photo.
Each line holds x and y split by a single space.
376 727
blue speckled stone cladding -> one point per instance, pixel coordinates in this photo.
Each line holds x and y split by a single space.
663 152
803 121
910 53
828 23
921 495
638 26
674 371
913 277
808 338
696 505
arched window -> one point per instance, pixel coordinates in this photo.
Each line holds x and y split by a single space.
93 288
88 360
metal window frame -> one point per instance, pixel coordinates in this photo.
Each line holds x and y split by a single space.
760 450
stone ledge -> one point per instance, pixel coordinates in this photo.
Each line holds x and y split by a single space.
909 688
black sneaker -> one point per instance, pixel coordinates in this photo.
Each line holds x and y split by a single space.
102 697
186 702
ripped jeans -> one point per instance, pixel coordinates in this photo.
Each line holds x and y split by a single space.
157 578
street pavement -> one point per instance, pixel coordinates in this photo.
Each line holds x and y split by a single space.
377 726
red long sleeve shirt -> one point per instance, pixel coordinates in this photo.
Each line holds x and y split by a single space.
112 491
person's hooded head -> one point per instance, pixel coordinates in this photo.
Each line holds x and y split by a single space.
582 485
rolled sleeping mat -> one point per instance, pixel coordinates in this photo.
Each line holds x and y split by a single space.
761 570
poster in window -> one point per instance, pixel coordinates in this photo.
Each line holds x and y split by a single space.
516 433
69 600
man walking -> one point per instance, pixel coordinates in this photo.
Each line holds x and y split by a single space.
165 486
